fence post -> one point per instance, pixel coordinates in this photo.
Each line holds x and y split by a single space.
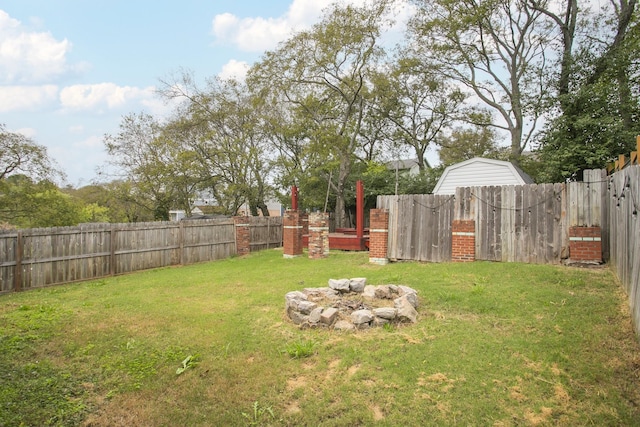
243 235
181 242
463 244
112 250
17 275
292 234
379 236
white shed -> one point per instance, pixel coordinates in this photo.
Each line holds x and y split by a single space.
480 172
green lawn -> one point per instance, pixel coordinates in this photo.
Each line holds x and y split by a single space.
496 344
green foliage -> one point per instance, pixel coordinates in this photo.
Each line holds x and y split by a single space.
21 155
467 143
189 362
301 349
590 134
28 204
259 415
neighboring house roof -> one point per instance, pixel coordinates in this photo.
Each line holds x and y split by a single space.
479 172
402 164
410 165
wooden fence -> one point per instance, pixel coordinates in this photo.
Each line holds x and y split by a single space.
419 226
41 257
624 230
523 223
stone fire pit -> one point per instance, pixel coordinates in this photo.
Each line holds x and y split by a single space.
349 304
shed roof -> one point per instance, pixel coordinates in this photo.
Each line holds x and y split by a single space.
478 172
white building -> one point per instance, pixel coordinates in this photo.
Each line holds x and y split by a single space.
480 172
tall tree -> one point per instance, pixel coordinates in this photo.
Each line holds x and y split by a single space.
494 48
417 103
154 162
466 143
21 155
323 74
221 127
598 116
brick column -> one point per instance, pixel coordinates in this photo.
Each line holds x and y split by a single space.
378 236
292 234
585 244
318 235
463 244
243 236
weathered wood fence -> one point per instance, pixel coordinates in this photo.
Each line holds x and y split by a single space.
524 223
623 204
35 258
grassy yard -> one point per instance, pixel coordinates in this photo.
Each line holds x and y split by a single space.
496 344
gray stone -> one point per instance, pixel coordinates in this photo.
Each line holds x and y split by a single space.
389 313
369 291
411 294
329 315
406 311
357 284
343 325
297 318
383 292
306 307
359 317
380 321
293 298
340 285
314 316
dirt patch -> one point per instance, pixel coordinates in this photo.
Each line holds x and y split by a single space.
129 410
353 369
378 415
292 408
296 383
539 418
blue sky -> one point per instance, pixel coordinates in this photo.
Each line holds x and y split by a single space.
70 69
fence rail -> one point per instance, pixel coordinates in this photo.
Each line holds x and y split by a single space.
41 257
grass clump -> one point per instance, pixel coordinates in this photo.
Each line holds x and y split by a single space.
301 349
495 344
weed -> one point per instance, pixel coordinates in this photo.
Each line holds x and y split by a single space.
301 349
388 327
189 362
256 418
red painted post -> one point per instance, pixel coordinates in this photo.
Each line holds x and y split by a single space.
294 198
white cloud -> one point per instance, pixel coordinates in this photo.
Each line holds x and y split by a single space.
234 69
28 132
91 142
259 34
76 129
26 98
102 95
28 56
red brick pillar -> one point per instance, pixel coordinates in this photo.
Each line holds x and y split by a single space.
318 235
463 244
585 244
243 236
378 236
292 245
